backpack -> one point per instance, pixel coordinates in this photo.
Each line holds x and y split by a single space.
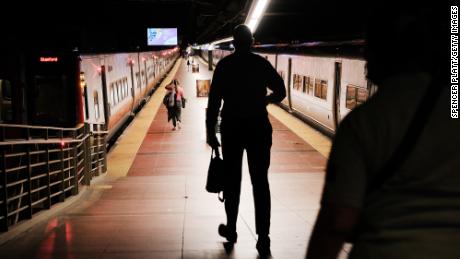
166 99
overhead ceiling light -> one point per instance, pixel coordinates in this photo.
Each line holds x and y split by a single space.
222 41
256 12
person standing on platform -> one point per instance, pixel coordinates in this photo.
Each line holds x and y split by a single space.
240 80
392 183
188 65
174 100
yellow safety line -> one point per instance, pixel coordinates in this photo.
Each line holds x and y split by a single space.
317 140
121 157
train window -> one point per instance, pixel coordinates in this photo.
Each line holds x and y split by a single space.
125 92
310 86
297 82
122 88
361 96
355 96
122 91
110 94
115 94
351 97
118 92
318 88
307 85
112 90
96 105
321 88
125 86
138 81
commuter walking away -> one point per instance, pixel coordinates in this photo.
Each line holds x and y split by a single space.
240 80
393 177
188 65
174 101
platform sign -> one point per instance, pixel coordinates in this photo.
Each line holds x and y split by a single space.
202 88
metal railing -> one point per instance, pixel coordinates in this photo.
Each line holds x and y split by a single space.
41 166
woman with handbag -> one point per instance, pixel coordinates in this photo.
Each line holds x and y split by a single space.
174 102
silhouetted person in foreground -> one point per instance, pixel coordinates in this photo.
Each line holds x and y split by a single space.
411 210
240 80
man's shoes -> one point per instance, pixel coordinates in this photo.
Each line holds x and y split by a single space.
224 231
263 246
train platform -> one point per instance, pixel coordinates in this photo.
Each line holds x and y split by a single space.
152 202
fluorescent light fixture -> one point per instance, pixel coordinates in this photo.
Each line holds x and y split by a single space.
255 14
222 41
260 8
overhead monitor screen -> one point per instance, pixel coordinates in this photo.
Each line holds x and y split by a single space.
161 36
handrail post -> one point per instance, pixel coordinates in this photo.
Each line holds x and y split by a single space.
74 167
4 225
29 180
104 150
48 177
87 177
62 188
29 176
97 148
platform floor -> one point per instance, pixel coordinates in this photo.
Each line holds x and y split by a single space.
152 202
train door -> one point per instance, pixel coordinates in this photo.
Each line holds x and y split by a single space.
105 96
133 89
336 99
54 93
146 76
289 83
276 62
139 76
84 94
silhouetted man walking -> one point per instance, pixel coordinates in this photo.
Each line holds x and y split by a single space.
241 80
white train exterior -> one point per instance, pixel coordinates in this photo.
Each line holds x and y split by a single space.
126 78
320 89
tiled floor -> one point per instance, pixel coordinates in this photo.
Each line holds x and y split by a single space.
160 208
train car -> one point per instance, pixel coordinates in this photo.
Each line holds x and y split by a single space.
115 86
322 88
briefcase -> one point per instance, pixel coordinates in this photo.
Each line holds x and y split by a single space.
215 180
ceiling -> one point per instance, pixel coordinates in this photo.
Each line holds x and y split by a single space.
291 21
115 25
